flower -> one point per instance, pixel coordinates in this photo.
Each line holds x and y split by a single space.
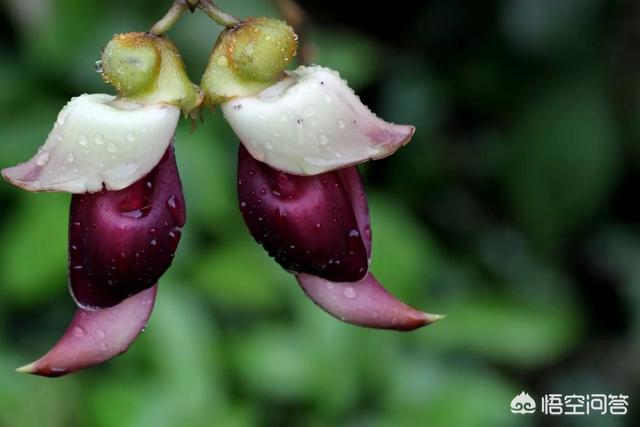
300 195
302 132
115 155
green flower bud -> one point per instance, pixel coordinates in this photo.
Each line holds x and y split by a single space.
261 49
130 64
147 68
248 58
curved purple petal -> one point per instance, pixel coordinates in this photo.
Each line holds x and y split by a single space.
121 242
93 337
364 303
307 223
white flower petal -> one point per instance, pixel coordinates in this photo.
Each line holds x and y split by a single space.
312 122
98 140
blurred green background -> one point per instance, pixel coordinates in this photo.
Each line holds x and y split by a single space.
514 210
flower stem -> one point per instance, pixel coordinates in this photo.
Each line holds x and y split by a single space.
179 6
215 13
170 18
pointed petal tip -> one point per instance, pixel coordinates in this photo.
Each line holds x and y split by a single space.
390 138
410 131
31 368
413 320
430 318
364 303
395 135
18 176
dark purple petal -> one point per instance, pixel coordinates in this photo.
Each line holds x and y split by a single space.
353 184
307 223
93 337
364 303
121 242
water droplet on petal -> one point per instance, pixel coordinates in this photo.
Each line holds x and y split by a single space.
111 147
42 159
82 139
78 332
349 292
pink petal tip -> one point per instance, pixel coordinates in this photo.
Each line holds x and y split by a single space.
364 303
93 337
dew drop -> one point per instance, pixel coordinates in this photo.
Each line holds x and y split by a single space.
324 140
349 292
100 333
70 158
82 139
103 346
99 140
42 159
130 137
174 209
98 67
111 147
78 332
